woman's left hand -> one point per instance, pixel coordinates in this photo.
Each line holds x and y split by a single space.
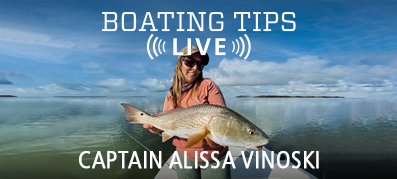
152 129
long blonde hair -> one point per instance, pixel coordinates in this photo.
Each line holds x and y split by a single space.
178 81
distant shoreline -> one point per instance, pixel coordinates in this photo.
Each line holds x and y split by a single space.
91 96
283 96
76 96
70 96
8 96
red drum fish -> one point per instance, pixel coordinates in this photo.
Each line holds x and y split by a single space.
205 121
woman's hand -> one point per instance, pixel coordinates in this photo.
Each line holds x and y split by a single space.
152 129
211 143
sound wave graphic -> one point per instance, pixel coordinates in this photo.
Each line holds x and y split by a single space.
154 46
243 46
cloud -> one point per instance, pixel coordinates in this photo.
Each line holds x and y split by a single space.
4 81
55 89
306 69
104 87
48 89
63 46
307 75
155 85
384 90
11 73
116 85
32 38
92 68
236 90
298 87
242 72
16 77
108 86
73 86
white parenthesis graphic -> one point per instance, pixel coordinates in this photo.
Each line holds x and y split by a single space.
249 47
159 46
163 46
154 46
147 46
233 46
243 48
238 46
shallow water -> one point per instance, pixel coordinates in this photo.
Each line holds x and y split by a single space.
43 137
356 137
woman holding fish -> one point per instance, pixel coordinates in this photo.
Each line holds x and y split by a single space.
189 88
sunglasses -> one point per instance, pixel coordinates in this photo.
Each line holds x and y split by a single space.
190 62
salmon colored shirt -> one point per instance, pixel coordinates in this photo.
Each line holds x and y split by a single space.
208 93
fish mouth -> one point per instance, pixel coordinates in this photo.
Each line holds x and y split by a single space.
260 148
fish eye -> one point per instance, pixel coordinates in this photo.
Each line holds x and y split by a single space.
251 132
141 114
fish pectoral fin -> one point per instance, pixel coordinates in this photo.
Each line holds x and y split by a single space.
196 138
166 136
211 143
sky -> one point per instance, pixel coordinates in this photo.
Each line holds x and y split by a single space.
338 48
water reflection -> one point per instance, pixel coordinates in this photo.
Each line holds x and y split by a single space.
52 132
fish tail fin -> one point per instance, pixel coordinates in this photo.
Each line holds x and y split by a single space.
135 115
